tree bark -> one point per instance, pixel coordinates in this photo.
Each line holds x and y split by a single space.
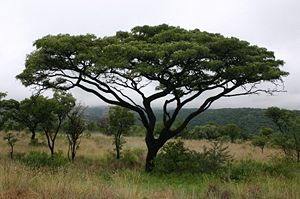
118 152
32 136
52 150
153 146
12 152
151 154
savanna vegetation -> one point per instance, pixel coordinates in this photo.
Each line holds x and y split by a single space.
50 149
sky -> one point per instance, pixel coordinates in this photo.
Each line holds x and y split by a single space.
273 24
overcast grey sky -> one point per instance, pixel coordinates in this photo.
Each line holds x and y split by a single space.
274 24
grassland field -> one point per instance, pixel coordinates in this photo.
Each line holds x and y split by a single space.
96 174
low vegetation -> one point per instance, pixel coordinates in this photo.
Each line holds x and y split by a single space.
242 170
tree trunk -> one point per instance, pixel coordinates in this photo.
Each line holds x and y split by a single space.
52 150
32 136
73 153
118 153
151 154
12 152
118 145
153 146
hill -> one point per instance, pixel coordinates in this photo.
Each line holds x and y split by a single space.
250 120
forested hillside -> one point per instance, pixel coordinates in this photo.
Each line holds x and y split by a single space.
250 120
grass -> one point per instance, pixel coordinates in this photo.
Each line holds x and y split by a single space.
96 174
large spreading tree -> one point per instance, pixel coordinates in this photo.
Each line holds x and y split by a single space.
153 65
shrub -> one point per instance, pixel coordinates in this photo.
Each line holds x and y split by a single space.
246 169
130 158
133 157
37 159
176 158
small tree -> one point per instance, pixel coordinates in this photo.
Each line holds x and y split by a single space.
104 125
74 129
11 140
7 110
120 120
2 118
263 138
233 131
288 138
29 114
54 112
260 141
209 131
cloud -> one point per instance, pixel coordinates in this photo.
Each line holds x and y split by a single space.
274 24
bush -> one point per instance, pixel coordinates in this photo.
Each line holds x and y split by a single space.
176 158
130 159
247 169
133 157
37 159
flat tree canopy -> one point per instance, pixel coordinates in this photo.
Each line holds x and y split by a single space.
181 64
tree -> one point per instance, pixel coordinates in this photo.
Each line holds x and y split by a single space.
74 129
11 140
263 138
232 130
2 96
209 131
150 65
120 120
54 112
288 123
29 114
7 109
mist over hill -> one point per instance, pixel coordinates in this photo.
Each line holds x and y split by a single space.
250 120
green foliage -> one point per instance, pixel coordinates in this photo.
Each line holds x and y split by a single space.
136 130
55 111
130 159
37 159
250 120
212 131
260 141
74 129
288 139
282 118
263 138
120 120
209 131
7 109
266 131
232 130
246 169
176 158
133 157
30 113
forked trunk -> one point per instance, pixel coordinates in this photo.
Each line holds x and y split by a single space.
153 146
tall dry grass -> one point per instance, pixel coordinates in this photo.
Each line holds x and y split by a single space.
91 177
